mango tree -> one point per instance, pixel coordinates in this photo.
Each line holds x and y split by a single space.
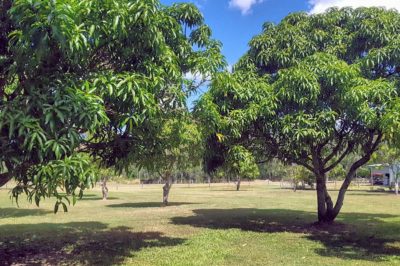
303 176
313 90
177 148
43 112
241 163
94 77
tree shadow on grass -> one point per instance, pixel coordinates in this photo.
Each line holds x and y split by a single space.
364 236
17 212
83 243
97 198
147 204
230 190
376 193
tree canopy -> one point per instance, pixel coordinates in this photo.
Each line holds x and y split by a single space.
177 148
95 77
241 164
311 91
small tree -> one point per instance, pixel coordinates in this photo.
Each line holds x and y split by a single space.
177 148
303 176
241 164
105 176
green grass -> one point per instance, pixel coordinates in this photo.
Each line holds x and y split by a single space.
260 225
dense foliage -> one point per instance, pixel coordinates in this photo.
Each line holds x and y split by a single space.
313 90
88 76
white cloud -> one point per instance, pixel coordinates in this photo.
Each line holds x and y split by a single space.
244 5
195 77
319 6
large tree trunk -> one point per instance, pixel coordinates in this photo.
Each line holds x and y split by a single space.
327 212
166 188
238 184
104 188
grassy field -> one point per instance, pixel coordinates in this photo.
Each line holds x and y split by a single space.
260 225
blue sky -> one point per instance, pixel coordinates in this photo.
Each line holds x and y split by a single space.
235 22
235 27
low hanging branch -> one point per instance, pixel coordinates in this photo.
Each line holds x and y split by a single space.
73 91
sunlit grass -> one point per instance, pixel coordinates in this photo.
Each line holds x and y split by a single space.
260 225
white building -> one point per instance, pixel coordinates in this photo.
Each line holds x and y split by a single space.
382 173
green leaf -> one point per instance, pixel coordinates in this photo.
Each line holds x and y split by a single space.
37 200
64 207
116 21
74 199
56 207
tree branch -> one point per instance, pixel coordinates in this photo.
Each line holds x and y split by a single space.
344 154
4 178
367 156
334 151
309 167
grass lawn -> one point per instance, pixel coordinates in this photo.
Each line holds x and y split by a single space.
260 225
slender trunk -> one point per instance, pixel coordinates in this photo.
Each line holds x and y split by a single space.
325 204
396 187
346 183
371 179
166 188
324 201
104 188
238 184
